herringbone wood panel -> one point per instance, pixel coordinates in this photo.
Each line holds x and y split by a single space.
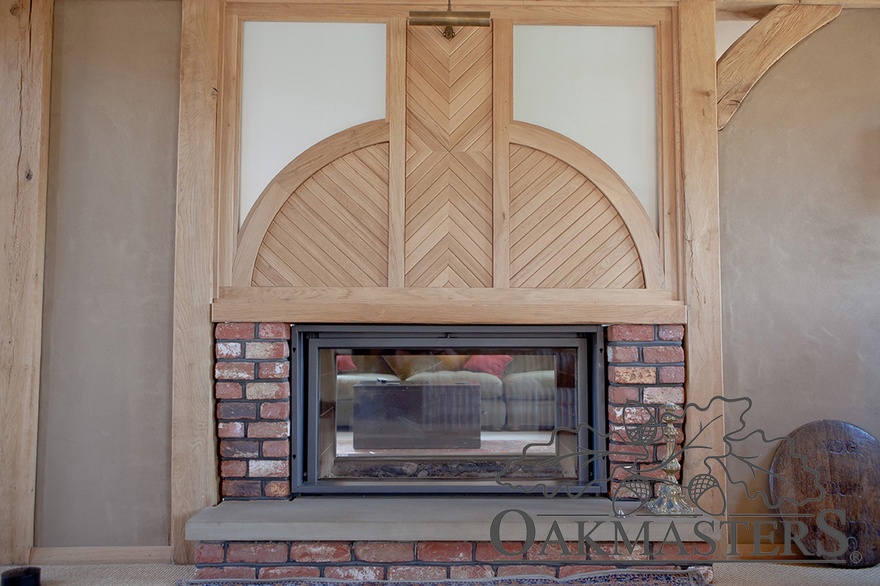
564 233
333 230
448 231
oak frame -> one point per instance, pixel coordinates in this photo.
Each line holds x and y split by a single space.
230 272
668 305
29 35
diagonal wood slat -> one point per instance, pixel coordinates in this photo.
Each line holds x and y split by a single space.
448 226
333 229
564 232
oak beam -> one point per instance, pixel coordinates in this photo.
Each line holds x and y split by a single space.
702 232
447 305
194 483
749 58
25 63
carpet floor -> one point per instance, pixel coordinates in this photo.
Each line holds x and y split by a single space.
729 574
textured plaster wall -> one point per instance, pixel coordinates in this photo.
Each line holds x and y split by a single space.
800 212
105 406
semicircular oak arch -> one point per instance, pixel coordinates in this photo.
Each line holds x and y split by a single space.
323 219
333 229
574 223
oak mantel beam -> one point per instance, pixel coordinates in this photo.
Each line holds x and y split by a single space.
749 58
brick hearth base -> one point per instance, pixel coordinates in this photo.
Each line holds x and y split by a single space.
390 560
646 363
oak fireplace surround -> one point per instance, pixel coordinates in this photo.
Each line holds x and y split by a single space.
441 252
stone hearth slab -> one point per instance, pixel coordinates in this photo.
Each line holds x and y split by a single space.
414 518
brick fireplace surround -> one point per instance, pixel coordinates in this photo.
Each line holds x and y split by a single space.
252 373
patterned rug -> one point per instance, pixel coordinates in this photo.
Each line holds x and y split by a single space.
608 578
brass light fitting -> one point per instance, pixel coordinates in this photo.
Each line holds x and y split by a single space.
449 19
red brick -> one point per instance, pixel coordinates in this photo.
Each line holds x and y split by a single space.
279 410
277 489
234 371
652 470
284 572
267 430
266 350
554 551
230 429
320 551
486 552
276 449
227 350
209 553
618 354
671 333
239 449
256 553
227 390
622 471
417 573
622 394
630 453
633 415
632 375
526 570
234 410
268 391
226 572
355 573
268 468
234 331
631 333
445 551
671 374
622 493
241 488
274 330
383 551
569 571
663 395
274 369
471 572
663 354
233 469
622 553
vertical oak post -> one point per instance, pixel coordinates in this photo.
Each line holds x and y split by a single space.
702 233
194 483
25 63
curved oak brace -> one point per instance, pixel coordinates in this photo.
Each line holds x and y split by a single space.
743 64
620 196
288 180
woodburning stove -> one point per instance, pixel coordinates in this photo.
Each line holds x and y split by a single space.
441 409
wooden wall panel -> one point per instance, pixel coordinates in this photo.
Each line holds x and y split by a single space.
333 230
449 158
564 232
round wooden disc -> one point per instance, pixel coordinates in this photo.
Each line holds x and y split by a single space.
847 459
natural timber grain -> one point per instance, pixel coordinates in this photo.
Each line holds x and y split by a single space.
396 115
194 480
502 116
702 240
749 58
25 59
446 305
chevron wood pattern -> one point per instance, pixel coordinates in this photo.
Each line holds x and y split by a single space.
333 229
448 220
564 233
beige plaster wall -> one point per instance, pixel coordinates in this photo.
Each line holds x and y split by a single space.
800 212
105 405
